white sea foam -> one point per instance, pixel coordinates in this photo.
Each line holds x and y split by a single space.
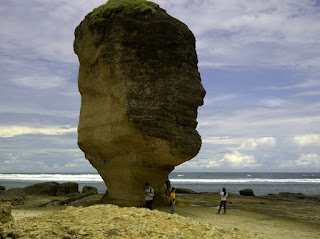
97 178
53 177
243 180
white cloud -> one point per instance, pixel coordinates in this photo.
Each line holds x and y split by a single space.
40 82
46 31
191 164
11 131
213 164
220 99
309 93
309 83
245 33
309 160
252 144
306 140
237 160
295 118
275 102
222 140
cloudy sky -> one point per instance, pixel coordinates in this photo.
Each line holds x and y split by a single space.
259 63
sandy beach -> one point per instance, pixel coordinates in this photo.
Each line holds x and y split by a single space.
255 224
259 224
275 216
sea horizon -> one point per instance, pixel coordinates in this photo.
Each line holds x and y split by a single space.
262 183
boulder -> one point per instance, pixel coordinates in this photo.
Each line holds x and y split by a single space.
16 192
47 188
246 192
89 190
66 188
2 188
5 213
140 91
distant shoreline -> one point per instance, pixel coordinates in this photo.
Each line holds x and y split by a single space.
261 183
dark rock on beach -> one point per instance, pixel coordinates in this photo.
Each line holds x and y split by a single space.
66 188
2 188
89 190
49 194
47 188
52 189
15 196
246 192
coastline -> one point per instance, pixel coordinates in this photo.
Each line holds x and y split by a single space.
284 215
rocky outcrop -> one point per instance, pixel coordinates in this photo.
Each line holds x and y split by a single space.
246 192
89 190
5 213
140 91
52 188
2 188
66 188
5 217
47 188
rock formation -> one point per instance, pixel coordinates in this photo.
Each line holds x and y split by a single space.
5 213
46 188
66 188
246 192
140 91
89 190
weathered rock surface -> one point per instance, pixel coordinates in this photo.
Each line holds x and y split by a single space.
47 188
5 213
140 91
15 196
50 195
66 188
246 192
2 188
89 190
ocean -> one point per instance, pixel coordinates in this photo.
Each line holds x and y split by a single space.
260 183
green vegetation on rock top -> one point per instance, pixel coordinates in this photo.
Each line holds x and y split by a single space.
127 6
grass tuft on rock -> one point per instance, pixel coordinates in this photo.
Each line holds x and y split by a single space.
126 6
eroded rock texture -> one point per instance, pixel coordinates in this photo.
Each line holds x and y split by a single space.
140 90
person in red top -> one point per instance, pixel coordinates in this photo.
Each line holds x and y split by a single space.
223 202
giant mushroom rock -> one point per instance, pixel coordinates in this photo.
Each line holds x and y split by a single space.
140 90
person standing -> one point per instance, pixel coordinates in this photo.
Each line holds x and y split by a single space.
148 195
173 200
168 187
223 201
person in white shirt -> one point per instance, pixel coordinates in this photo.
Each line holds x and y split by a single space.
223 202
148 195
